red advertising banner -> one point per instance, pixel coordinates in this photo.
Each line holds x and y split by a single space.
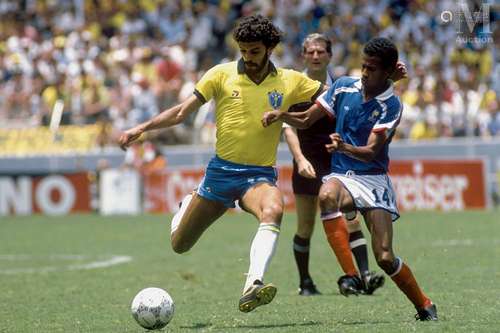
441 184
419 185
164 190
46 194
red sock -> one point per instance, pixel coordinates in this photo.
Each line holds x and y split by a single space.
405 280
338 237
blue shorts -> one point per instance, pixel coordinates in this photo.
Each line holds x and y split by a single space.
227 182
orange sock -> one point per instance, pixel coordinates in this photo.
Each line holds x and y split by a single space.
338 237
405 280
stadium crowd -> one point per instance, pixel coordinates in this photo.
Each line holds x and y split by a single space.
117 62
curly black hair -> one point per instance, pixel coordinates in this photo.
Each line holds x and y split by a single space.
257 28
384 49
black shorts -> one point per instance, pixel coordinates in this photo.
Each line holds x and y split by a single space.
303 185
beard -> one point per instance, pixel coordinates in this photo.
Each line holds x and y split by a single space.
256 68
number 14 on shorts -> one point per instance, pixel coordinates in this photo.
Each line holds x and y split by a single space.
385 196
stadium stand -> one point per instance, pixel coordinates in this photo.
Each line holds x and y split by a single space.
41 141
122 61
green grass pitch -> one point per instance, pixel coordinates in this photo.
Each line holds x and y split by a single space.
455 257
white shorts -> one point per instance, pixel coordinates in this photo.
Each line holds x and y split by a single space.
369 191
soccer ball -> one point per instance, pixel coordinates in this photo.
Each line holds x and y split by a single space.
152 308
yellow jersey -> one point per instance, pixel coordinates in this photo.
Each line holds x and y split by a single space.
240 104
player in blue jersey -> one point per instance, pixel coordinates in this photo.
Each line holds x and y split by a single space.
311 162
367 114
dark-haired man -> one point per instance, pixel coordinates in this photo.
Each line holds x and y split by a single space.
243 168
367 114
311 161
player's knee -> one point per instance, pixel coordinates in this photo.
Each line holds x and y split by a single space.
180 248
328 199
178 245
272 212
385 260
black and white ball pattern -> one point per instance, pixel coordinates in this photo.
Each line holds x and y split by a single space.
152 308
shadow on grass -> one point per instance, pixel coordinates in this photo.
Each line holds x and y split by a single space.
197 326
367 322
263 326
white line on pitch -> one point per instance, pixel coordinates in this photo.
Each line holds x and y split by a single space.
463 242
112 261
115 260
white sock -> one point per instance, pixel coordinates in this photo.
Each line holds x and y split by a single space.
261 251
178 216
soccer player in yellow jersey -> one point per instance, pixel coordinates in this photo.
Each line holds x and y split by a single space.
243 168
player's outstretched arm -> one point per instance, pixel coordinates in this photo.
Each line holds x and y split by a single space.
366 153
296 119
167 118
304 167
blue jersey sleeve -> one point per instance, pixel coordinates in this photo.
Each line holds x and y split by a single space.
391 115
326 101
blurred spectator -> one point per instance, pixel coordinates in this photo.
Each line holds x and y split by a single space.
153 159
95 99
144 104
146 157
494 124
50 95
173 25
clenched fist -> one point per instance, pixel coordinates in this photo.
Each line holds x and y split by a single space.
270 117
336 144
129 136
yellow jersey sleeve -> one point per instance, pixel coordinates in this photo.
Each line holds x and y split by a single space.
208 86
306 89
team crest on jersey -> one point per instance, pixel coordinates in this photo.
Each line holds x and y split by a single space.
275 99
374 116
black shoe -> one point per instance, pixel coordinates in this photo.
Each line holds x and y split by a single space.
427 314
256 295
371 282
350 285
308 288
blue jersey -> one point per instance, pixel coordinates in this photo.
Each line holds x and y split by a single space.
355 120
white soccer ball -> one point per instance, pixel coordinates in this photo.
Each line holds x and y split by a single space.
152 308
